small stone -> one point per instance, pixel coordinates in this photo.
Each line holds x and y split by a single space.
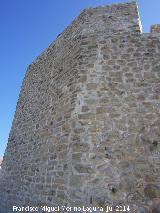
83 78
86 116
85 108
76 181
83 168
143 210
135 197
100 110
155 208
91 86
80 147
152 191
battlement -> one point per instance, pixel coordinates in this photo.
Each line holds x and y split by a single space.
102 20
116 18
113 18
155 28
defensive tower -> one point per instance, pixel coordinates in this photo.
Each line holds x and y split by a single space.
86 131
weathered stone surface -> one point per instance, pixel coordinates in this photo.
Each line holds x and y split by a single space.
155 28
87 125
83 168
155 208
152 191
143 210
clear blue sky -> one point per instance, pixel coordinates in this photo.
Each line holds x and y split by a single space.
27 28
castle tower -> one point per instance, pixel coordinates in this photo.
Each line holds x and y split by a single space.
86 131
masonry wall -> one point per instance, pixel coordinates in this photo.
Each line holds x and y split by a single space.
120 112
86 128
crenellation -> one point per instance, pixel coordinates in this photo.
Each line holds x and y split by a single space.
155 28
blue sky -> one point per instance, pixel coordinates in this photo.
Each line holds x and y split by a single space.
27 27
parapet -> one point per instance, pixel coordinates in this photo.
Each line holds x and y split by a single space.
108 20
112 19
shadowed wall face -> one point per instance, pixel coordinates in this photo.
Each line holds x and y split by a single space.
86 128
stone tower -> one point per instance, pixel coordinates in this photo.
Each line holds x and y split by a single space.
86 131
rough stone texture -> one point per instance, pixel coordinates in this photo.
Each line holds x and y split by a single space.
87 124
155 28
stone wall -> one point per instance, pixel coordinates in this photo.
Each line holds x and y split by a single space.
87 126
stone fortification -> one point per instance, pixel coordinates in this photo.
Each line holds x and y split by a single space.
87 125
